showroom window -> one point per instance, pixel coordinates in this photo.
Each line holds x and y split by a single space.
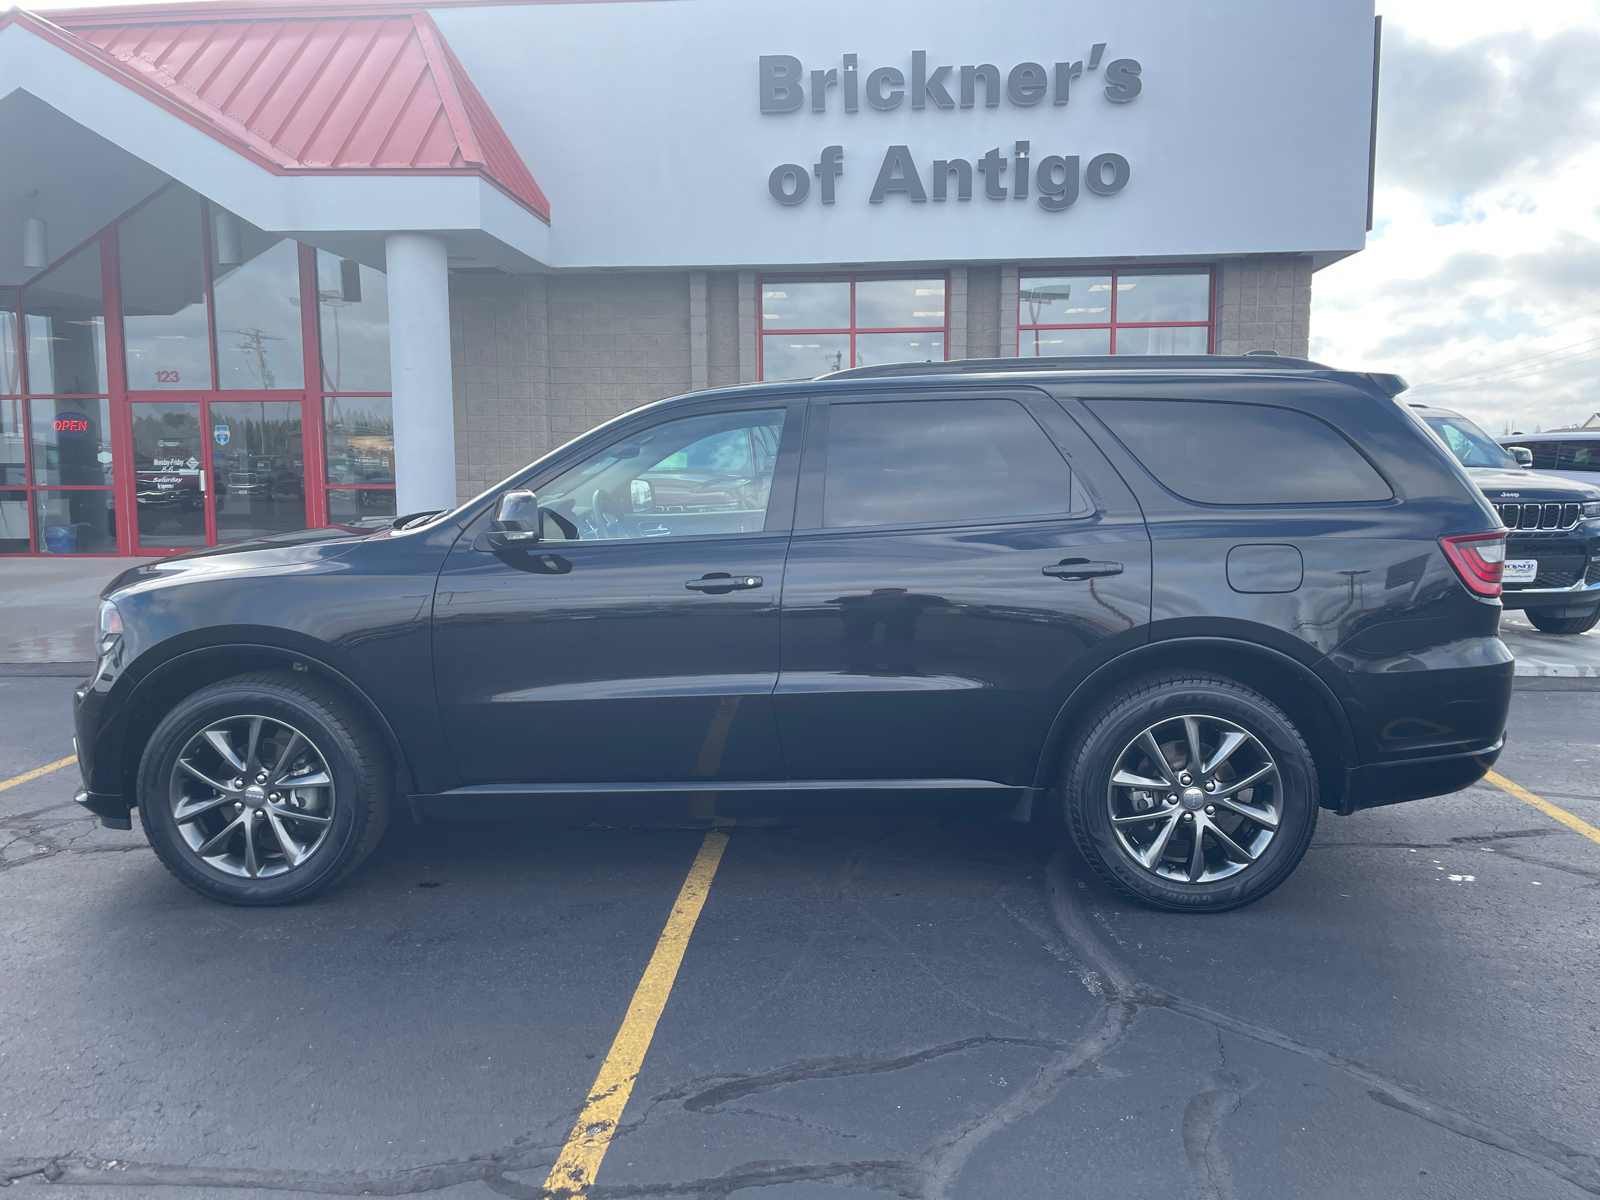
811 325
55 420
1149 310
357 411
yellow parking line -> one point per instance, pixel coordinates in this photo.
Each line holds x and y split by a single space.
574 1171
36 772
1544 806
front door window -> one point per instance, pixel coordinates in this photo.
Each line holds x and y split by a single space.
696 476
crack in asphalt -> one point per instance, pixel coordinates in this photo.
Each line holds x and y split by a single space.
1121 998
33 840
1203 1117
837 1067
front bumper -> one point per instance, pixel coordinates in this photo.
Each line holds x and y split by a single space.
1569 569
113 811
1581 597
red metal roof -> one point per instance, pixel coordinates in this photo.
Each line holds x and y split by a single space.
356 92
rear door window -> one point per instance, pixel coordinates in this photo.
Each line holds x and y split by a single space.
908 462
1224 453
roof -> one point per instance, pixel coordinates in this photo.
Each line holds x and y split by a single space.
1087 362
1390 385
324 91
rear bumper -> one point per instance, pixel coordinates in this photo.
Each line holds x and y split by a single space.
1379 784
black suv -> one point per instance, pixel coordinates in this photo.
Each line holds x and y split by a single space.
1189 600
1552 568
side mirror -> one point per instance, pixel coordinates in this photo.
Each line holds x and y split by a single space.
1522 454
642 495
516 522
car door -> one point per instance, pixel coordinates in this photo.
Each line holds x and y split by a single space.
960 560
637 641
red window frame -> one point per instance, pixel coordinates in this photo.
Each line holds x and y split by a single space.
1113 324
313 399
839 277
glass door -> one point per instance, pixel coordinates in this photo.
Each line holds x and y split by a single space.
258 481
221 469
171 487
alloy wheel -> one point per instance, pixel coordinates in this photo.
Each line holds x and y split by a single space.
252 796
1195 799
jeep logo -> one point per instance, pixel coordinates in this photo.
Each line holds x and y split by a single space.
1509 495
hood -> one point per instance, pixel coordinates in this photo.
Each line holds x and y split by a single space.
1503 484
303 547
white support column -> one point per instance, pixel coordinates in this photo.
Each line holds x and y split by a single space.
419 364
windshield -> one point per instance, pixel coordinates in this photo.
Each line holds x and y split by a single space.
1471 445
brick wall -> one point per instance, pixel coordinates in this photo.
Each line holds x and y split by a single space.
500 376
983 312
722 327
1264 303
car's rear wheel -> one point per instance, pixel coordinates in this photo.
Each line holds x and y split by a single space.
1546 624
1191 792
263 789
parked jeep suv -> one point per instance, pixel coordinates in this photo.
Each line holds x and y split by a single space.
1552 568
1190 600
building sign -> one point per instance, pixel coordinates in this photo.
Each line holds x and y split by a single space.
1051 178
730 135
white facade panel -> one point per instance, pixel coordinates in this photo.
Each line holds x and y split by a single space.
642 122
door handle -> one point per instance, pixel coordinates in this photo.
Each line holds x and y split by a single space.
1081 568
719 583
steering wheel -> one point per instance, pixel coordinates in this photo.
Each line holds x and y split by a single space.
605 515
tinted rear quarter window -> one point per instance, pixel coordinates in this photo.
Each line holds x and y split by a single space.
919 461
1225 453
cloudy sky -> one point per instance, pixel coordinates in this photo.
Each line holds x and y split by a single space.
1481 278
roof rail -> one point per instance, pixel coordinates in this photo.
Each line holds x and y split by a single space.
1086 362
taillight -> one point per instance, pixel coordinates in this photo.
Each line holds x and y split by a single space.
1478 558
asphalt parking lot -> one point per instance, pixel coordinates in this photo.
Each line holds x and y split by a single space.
882 1006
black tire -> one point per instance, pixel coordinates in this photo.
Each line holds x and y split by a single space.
1162 702
356 762
1565 625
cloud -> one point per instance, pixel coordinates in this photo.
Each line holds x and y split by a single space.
1481 281
1508 107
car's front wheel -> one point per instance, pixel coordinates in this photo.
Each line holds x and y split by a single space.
263 789
1191 793
1546 624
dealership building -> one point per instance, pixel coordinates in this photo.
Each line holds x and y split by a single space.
265 267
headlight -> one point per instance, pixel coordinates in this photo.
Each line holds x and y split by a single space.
1591 509
110 626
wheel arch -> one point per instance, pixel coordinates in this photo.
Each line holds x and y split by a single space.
1288 683
157 692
